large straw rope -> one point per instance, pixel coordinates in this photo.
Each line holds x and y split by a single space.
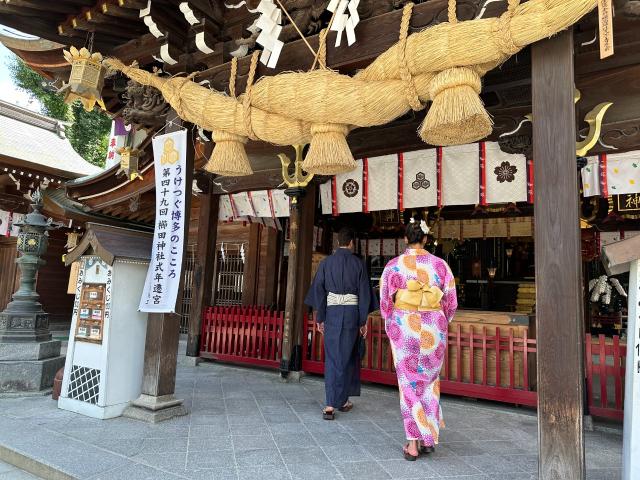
284 108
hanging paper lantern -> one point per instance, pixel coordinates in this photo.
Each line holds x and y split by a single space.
129 159
86 79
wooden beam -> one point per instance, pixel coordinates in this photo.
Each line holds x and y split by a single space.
558 265
60 7
380 32
113 10
204 267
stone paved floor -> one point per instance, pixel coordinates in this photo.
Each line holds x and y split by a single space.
9 472
244 424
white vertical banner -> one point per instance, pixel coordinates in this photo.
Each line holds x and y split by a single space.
325 198
163 277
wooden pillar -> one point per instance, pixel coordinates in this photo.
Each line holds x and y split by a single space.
558 265
305 252
251 265
298 273
157 402
204 266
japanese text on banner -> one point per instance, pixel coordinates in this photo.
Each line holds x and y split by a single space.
163 278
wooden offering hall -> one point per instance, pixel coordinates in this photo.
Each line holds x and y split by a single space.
510 127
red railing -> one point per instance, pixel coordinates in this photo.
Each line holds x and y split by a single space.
242 334
471 363
493 365
605 362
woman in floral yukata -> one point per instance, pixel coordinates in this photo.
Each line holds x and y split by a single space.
417 302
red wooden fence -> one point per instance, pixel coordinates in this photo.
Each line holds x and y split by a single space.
481 364
605 362
242 334
471 366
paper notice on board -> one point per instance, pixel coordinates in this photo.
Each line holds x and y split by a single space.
605 23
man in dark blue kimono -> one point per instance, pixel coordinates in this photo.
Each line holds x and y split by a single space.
342 297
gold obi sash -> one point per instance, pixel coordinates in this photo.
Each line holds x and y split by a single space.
418 297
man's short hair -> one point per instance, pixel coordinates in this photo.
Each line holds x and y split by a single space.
345 236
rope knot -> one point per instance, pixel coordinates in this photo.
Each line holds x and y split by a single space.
455 77
246 98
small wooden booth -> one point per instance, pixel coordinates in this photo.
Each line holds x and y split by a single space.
105 355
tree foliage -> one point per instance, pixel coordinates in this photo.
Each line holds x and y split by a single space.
88 132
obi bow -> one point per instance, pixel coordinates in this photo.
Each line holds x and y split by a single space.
418 296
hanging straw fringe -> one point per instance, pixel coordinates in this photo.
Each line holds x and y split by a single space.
445 63
329 152
457 110
229 156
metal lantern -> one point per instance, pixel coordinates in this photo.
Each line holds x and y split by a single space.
86 80
129 159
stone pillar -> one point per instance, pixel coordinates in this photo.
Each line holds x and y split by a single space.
29 359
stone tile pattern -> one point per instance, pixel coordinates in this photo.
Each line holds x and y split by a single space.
245 424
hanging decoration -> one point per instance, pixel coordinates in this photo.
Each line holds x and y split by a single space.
86 79
442 64
345 18
270 25
129 160
603 289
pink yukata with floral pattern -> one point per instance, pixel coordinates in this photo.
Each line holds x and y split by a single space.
418 340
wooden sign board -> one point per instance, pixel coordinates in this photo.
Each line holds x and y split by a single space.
73 277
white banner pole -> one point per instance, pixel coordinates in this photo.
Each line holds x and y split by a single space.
631 436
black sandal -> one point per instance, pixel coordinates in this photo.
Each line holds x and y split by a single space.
408 456
427 449
346 407
328 414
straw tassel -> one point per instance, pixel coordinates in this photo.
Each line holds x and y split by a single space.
229 157
457 115
329 153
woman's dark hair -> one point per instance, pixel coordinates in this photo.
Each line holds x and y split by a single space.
414 233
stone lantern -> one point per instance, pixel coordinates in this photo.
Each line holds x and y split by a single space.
29 358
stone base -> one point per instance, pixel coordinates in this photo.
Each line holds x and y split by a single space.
42 393
293 377
187 361
588 423
152 409
18 326
28 376
29 351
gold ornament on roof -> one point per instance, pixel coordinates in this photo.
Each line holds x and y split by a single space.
86 79
442 65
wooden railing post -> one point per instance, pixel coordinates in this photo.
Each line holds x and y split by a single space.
204 265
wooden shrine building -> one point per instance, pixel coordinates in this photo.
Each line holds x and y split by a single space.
276 255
